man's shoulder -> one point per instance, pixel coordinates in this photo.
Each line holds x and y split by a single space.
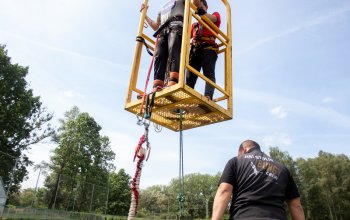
232 161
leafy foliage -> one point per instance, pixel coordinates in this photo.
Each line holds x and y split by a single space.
26 197
23 120
199 192
120 193
80 165
324 183
326 186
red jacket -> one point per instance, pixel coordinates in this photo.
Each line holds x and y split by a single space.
198 31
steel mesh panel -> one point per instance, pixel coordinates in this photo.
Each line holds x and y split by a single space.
162 101
211 118
197 111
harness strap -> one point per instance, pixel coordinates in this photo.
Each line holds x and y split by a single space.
203 44
212 39
142 40
212 48
198 46
175 18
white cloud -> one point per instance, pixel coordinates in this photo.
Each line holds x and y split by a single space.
68 94
277 139
72 94
296 106
279 112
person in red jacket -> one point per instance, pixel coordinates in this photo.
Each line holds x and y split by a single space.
203 52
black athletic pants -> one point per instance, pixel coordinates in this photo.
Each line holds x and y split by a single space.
206 59
168 50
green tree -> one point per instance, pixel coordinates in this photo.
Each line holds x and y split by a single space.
26 196
287 160
40 198
43 168
326 186
323 183
23 121
153 199
119 193
80 164
199 193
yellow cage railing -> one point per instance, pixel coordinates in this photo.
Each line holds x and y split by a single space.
198 110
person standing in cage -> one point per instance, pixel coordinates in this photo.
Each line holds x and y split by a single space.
203 52
257 186
168 27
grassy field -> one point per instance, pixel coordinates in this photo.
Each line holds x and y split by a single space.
38 214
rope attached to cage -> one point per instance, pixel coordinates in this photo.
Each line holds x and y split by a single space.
141 154
181 195
147 78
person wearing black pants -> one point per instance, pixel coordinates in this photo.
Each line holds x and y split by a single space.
203 54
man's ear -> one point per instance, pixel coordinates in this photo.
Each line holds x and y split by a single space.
244 150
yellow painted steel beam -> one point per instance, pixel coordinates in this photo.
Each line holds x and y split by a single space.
148 38
138 91
180 94
222 98
185 44
193 70
137 57
205 24
228 58
211 24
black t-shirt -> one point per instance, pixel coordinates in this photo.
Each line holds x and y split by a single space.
260 186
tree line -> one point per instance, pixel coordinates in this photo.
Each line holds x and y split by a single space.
80 175
323 182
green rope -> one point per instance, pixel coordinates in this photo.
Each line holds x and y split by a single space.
181 196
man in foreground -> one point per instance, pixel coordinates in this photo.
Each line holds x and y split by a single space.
257 186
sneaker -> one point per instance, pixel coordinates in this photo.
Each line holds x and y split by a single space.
208 97
171 83
139 96
157 89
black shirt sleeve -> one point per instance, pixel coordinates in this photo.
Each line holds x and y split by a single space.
229 174
292 191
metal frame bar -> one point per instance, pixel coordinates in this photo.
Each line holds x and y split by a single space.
184 60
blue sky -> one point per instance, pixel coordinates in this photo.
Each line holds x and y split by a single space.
291 72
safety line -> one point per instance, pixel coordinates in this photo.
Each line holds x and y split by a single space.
181 196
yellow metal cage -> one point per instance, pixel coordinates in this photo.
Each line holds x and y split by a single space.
197 109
